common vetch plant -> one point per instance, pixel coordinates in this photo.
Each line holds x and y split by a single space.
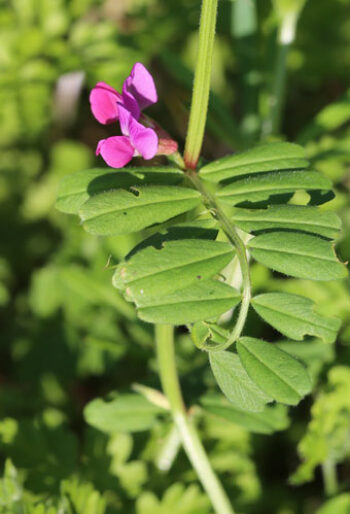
198 223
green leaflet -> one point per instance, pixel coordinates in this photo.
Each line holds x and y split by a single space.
269 420
176 499
175 265
314 354
327 435
126 413
299 255
293 316
338 505
276 372
205 300
294 217
261 187
267 157
235 383
120 212
196 229
204 334
76 188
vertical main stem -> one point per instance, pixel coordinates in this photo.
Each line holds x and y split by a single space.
189 436
201 85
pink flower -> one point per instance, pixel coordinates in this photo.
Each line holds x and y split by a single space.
108 106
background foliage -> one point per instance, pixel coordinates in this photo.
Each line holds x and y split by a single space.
67 335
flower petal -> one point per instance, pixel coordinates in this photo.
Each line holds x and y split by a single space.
124 119
141 85
144 140
116 151
130 103
103 101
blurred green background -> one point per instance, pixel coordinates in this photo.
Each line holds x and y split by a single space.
66 334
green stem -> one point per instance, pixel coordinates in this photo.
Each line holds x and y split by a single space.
237 242
278 91
330 479
190 439
201 85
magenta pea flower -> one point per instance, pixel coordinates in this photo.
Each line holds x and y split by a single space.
108 106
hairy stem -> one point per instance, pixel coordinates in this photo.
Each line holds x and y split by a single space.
201 85
237 242
189 436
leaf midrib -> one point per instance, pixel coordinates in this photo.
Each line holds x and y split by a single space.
179 266
259 161
318 257
287 221
268 189
153 203
294 316
270 369
199 300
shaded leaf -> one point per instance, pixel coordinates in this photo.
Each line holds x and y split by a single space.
195 229
205 300
235 383
295 217
120 212
76 188
267 157
294 316
271 419
276 372
298 255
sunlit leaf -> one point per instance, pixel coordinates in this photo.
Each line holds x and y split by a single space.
174 266
128 412
267 157
295 217
200 301
339 505
261 187
120 212
294 316
235 383
298 255
276 372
